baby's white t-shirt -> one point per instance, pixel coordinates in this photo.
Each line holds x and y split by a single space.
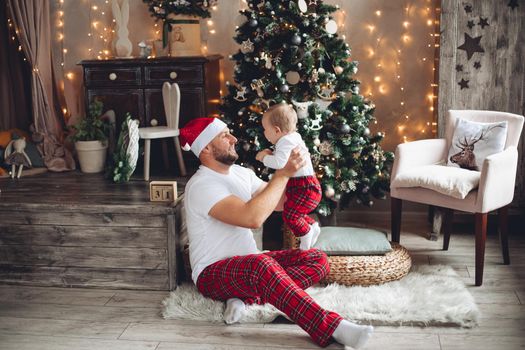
283 148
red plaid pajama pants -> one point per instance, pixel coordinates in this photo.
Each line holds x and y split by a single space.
302 197
278 278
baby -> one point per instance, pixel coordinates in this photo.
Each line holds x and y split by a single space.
303 191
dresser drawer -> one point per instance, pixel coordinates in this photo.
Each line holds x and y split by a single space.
107 76
157 75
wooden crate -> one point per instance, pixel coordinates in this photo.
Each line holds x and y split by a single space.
89 245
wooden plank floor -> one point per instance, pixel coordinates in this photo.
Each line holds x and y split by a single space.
35 318
40 318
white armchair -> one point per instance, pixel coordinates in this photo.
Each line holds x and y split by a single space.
496 181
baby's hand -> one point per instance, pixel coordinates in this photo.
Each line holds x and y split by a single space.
260 155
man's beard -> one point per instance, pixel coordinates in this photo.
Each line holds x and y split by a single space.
225 157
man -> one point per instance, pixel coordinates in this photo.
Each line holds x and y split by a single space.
223 202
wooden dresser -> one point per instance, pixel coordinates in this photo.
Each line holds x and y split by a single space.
135 86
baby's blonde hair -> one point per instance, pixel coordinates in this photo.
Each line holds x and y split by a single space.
283 116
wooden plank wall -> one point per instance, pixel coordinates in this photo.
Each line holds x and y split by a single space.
497 81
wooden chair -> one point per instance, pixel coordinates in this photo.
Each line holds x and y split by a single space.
496 182
171 99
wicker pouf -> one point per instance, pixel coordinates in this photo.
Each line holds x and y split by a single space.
363 270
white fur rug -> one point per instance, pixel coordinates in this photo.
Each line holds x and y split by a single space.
431 295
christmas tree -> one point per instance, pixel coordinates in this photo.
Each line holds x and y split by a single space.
290 51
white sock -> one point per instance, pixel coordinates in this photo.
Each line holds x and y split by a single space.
306 240
235 309
351 334
316 231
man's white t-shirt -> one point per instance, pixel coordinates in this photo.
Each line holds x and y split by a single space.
212 240
283 148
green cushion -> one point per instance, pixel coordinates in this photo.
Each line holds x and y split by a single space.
352 241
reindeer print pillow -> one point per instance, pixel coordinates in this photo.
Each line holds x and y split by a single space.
473 142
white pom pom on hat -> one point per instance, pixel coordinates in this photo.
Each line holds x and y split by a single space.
197 133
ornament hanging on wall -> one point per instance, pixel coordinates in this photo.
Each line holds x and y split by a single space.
459 68
464 84
477 64
470 24
468 8
513 4
483 22
471 45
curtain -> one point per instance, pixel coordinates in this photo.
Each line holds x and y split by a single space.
15 86
32 19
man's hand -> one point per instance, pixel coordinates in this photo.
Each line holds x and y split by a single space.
260 155
295 162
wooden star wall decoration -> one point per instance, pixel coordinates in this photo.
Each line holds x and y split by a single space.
483 22
471 45
464 84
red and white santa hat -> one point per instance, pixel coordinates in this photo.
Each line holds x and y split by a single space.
197 133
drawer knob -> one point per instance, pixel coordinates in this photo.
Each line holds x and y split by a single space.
154 122
112 76
173 75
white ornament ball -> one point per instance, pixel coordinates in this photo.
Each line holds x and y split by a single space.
239 113
303 7
331 27
329 192
321 70
367 131
317 142
299 65
338 70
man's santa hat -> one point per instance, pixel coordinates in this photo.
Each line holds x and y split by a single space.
197 133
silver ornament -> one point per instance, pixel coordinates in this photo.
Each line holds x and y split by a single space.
296 39
285 88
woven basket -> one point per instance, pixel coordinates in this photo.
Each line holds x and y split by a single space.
363 270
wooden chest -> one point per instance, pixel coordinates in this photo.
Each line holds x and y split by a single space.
88 234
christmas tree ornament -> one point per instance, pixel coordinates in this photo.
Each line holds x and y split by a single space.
338 70
246 146
299 65
315 76
366 132
303 7
253 23
315 123
326 93
278 74
331 27
257 85
267 59
292 77
344 129
284 88
321 70
326 148
247 46
354 69
240 94
296 39
317 142
301 108
329 192
337 197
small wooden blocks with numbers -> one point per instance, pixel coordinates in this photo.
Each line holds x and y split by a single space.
162 191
